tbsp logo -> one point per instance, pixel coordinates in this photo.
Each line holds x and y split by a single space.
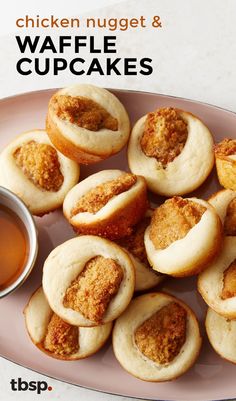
22 385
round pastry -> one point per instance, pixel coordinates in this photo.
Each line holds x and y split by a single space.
87 123
172 149
224 203
57 338
221 334
217 284
145 277
34 170
88 280
225 153
157 338
184 236
107 203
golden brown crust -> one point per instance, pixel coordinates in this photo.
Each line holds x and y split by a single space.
146 277
164 136
97 198
46 175
134 243
119 221
39 163
226 147
161 337
67 147
229 282
173 220
226 171
91 292
40 345
230 219
226 166
61 338
64 356
84 112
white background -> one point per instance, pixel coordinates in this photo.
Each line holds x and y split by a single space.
194 56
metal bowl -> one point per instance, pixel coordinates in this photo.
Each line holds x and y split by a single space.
12 202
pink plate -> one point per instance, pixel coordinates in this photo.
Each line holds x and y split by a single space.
211 378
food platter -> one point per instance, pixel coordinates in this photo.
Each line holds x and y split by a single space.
211 378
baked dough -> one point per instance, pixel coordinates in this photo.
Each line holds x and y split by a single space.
81 143
224 203
175 342
26 171
225 154
93 296
217 284
145 277
187 171
109 211
57 338
181 250
222 335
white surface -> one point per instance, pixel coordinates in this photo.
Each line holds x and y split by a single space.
16 9
194 56
60 391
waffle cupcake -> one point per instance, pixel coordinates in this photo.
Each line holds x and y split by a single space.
33 169
224 203
217 284
172 149
108 204
87 123
88 281
225 154
157 338
221 333
184 236
57 338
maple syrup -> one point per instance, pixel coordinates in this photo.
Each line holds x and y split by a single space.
14 247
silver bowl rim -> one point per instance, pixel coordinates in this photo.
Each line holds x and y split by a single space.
33 241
